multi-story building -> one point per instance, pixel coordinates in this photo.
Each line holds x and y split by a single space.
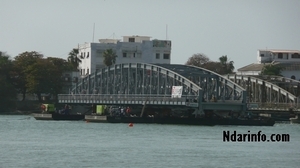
283 56
133 49
289 60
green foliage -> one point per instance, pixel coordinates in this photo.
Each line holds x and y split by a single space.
7 90
73 59
20 65
5 64
227 67
271 70
61 64
222 67
198 60
109 57
39 75
30 73
44 76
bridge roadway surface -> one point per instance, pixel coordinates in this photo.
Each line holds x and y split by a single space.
151 84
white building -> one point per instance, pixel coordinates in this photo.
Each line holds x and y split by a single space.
282 56
289 60
133 49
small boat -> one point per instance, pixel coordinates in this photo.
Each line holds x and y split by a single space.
57 116
296 119
49 113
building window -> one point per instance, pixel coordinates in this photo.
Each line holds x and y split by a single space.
262 55
87 71
124 55
134 55
296 55
88 55
157 55
280 55
166 56
131 40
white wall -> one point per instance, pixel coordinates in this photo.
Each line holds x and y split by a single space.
85 51
136 52
137 39
269 56
264 56
288 74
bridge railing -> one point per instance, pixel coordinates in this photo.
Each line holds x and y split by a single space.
124 97
274 106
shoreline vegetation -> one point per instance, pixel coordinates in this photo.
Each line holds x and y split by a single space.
25 107
18 112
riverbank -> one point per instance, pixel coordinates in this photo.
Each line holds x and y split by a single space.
18 112
23 108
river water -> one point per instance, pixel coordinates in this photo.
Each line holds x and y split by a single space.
26 142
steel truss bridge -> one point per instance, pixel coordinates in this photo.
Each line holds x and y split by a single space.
151 84
269 92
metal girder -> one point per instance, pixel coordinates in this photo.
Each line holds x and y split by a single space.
135 78
291 85
263 92
214 86
202 89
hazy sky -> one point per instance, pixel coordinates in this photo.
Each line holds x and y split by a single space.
236 28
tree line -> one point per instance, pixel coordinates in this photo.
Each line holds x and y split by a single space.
31 72
225 66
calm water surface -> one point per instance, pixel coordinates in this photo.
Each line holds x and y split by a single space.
26 142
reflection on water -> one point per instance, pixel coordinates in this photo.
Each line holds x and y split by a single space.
26 142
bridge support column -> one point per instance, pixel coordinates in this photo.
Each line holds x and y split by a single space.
200 107
244 102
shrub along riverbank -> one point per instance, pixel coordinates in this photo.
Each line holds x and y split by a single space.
22 107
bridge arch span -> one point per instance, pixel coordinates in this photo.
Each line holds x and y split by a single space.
133 83
264 92
291 85
133 79
213 85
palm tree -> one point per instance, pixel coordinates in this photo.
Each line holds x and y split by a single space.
109 57
73 58
227 66
223 59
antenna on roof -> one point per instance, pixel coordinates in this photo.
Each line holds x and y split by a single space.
93 32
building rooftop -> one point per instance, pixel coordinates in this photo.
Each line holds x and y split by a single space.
138 36
258 67
253 67
280 51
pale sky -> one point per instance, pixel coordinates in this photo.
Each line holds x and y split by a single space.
236 28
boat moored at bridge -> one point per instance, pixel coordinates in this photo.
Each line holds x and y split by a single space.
56 116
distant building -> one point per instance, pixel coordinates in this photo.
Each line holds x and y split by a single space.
289 60
282 56
133 49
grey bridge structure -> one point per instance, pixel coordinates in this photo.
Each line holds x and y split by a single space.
151 84
269 92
